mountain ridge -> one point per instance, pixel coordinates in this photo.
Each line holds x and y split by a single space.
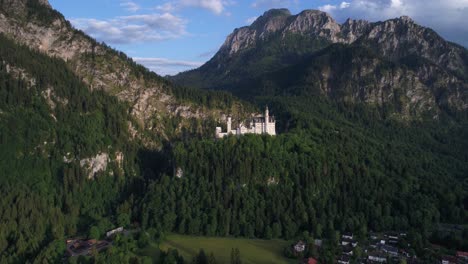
278 40
321 24
152 99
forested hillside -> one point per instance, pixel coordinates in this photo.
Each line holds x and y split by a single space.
332 171
70 157
374 124
47 112
154 103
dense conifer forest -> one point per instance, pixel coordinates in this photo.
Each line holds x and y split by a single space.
327 173
49 120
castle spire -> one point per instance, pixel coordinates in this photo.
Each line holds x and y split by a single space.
267 119
229 124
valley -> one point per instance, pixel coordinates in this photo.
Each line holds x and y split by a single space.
366 133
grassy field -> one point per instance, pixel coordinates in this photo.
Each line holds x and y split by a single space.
251 250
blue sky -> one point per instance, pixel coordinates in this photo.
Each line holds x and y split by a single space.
169 36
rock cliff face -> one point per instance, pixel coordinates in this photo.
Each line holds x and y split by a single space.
309 22
432 71
34 23
398 38
316 23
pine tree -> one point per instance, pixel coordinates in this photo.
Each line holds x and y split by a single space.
235 256
211 259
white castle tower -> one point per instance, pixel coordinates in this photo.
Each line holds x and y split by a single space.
258 125
229 124
270 123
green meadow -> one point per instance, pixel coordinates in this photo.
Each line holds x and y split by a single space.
251 250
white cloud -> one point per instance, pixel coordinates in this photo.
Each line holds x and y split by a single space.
330 8
266 4
130 6
251 20
447 17
133 29
344 5
166 7
217 7
165 66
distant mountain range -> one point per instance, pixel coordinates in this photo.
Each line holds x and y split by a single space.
395 63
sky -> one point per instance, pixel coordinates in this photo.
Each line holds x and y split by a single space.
170 36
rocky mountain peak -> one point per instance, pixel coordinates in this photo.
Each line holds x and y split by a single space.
310 22
276 12
271 21
22 8
351 29
406 19
272 14
285 38
13 6
21 4
44 2
315 14
401 37
314 22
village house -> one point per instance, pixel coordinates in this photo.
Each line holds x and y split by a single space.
299 247
349 242
373 236
392 238
462 255
114 231
318 242
378 257
347 250
349 236
392 251
449 260
310 261
344 259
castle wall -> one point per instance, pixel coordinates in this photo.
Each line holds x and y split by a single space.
258 128
271 129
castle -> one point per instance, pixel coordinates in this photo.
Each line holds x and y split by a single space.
258 125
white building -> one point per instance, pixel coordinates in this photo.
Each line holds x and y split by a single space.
258 125
377 257
115 231
299 247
